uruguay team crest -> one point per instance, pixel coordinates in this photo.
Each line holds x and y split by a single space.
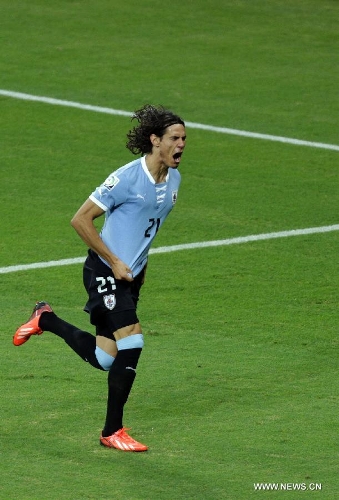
110 301
174 197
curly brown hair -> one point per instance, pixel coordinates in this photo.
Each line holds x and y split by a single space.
152 120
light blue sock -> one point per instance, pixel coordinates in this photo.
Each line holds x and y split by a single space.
105 360
135 341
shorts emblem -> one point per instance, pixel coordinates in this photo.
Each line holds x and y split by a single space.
110 301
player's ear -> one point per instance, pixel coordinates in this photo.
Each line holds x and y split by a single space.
155 140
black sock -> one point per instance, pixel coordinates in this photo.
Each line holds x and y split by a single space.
120 380
83 343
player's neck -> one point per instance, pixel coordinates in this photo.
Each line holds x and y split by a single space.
157 169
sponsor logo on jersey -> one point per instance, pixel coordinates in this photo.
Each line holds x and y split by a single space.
111 181
110 301
174 197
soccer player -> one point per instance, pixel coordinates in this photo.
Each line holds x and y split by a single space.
136 199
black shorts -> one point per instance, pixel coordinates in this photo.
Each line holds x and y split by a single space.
111 303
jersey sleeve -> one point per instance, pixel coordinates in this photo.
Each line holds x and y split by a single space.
112 192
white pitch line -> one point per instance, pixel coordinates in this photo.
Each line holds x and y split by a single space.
201 126
185 246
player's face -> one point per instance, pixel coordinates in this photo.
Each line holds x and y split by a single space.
172 145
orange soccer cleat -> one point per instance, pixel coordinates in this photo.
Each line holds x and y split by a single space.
24 332
122 441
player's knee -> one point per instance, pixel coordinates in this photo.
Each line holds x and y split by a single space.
105 360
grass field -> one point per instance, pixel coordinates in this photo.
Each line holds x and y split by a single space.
238 381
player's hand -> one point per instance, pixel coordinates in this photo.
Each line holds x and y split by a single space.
121 271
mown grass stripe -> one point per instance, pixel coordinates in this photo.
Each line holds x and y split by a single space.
201 126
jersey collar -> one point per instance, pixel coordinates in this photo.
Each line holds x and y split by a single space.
147 172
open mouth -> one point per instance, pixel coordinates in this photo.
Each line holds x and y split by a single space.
177 157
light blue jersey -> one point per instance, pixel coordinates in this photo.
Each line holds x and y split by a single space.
135 209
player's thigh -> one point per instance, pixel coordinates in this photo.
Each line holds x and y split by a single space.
107 344
126 331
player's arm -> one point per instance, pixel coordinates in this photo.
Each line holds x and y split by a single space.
83 223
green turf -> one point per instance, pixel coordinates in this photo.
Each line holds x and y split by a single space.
238 382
